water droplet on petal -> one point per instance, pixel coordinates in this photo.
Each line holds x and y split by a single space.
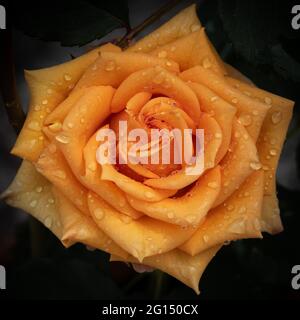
99 213
34 125
206 63
245 120
110 66
234 100
273 152
205 238
268 100
62 139
39 189
255 165
67 77
215 98
44 102
48 222
276 117
170 215
213 185
149 194
230 207
33 203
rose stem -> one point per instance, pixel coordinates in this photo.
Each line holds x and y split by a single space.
125 41
158 279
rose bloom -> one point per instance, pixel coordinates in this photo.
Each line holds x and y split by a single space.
154 214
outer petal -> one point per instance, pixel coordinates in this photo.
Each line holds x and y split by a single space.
178 264
269 146
79 228
250 112
239 162
111 68
31 192
238 218
142 237
191 50
183 23
48 87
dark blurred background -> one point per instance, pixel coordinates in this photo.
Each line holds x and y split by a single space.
254 36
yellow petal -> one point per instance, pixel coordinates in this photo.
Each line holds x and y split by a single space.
157 80
31 192
239 162
222 111
244 104
183 23
79 228
269 146
239 219
111 68
142 237
132 187
178 264
189 209
48 88
191 50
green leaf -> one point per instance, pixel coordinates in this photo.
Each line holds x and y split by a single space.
69 22
251 26
284 64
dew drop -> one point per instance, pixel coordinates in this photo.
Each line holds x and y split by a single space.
44 102
218 135
170 215
255 165
230 207
34 125
276 117
234 100
48 222
215 98
67 77
206 63
33 203
149 194
110 66
213 185
99 213
92 166
205 238
39 189
62 139
268 100
273 152
245 120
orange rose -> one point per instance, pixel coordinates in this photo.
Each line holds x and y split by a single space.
154 214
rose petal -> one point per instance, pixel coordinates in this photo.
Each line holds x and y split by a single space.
238 218
244 104
142 237
178 264
180 25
